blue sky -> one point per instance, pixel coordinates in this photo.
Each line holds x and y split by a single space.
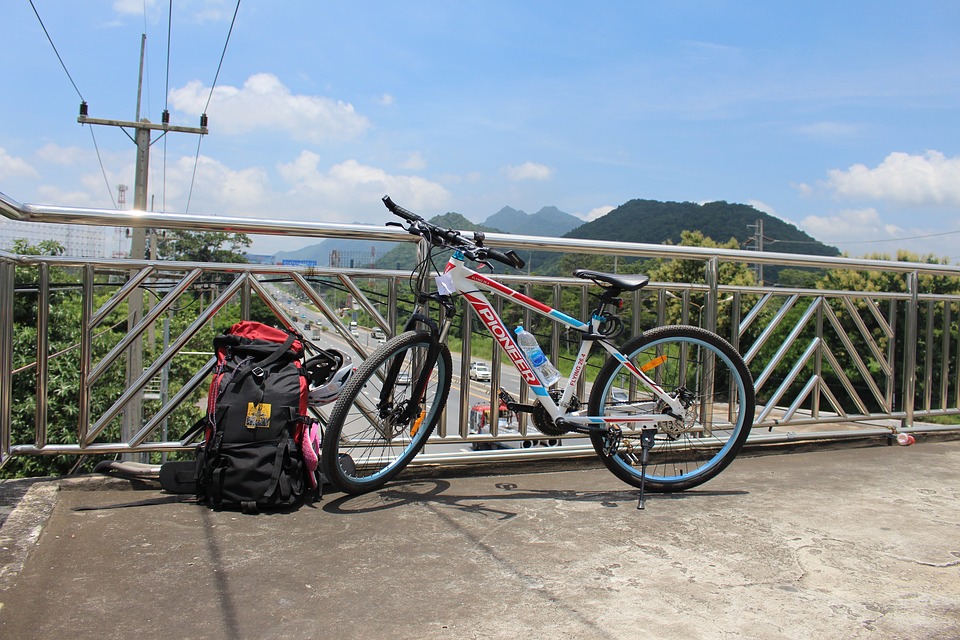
842 117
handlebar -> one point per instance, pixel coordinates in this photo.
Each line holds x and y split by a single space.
450 238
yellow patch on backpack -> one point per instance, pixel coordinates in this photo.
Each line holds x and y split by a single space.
258 416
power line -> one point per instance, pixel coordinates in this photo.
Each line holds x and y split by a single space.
93 136
920 237
222 55
203 117
102 169
166 106
50 40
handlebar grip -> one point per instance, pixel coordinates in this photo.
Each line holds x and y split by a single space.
510 258
396 209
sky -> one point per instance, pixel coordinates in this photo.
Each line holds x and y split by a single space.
840 117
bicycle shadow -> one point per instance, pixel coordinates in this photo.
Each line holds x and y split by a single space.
435 492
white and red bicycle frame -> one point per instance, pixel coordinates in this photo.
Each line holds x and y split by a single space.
460 279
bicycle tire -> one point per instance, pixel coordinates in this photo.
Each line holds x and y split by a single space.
363 447
717 420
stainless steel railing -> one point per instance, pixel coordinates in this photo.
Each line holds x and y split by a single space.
826 363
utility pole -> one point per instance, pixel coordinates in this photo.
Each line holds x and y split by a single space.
133 414
757 245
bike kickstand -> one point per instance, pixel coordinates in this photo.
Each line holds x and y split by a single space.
646 443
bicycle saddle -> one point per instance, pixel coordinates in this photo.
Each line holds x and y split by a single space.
624 282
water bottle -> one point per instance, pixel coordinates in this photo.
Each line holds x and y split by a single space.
547 373
905 439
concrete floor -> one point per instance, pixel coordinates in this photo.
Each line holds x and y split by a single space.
857 542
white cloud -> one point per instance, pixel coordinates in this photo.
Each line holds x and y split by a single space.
13 166
386 100
851 225
760 205
230 191
55 154
133 7
414 162
930 179
265 103
861 232
527 171
345 185
599 212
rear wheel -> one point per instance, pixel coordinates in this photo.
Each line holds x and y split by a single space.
368 442
717 393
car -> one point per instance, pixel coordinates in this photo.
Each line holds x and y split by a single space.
619 396
379 336
480 372
403 377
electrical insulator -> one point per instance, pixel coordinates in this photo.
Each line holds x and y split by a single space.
165 118
203 120
83 108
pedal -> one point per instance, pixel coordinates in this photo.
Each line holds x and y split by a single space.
507 400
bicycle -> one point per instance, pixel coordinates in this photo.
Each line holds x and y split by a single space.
667 411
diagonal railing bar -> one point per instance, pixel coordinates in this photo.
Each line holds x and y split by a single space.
847 384
143 324
799 326
854 355
120 295
865 332
771 328
151 371
788 381
173 404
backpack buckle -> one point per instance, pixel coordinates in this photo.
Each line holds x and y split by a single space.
259 374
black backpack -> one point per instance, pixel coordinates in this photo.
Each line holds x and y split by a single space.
250 457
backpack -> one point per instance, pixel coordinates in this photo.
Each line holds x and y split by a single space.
251 455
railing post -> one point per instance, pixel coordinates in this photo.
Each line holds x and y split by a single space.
245 300
86 353
43 344
713 294
7 271
910 347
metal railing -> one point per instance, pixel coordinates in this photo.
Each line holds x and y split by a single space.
827 363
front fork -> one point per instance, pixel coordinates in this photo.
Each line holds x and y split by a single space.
422 368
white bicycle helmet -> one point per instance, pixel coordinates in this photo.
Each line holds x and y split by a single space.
327 373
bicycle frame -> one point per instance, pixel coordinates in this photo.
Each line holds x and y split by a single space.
460 279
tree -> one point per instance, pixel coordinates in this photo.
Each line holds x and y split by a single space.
890 281
63 368
203 246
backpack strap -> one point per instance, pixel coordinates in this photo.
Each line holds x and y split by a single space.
276 355
276 479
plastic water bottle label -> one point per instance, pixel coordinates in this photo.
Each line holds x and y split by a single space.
537 358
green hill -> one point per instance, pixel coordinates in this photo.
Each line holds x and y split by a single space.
654 222
651 221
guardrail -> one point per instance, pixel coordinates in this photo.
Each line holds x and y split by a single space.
827 363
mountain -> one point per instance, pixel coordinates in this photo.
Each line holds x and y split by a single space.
653 222
549 221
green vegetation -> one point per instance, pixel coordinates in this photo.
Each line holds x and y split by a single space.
64 336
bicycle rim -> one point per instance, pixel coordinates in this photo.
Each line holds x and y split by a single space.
365 445
718 398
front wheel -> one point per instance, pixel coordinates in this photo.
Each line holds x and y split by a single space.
715 388
370 438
